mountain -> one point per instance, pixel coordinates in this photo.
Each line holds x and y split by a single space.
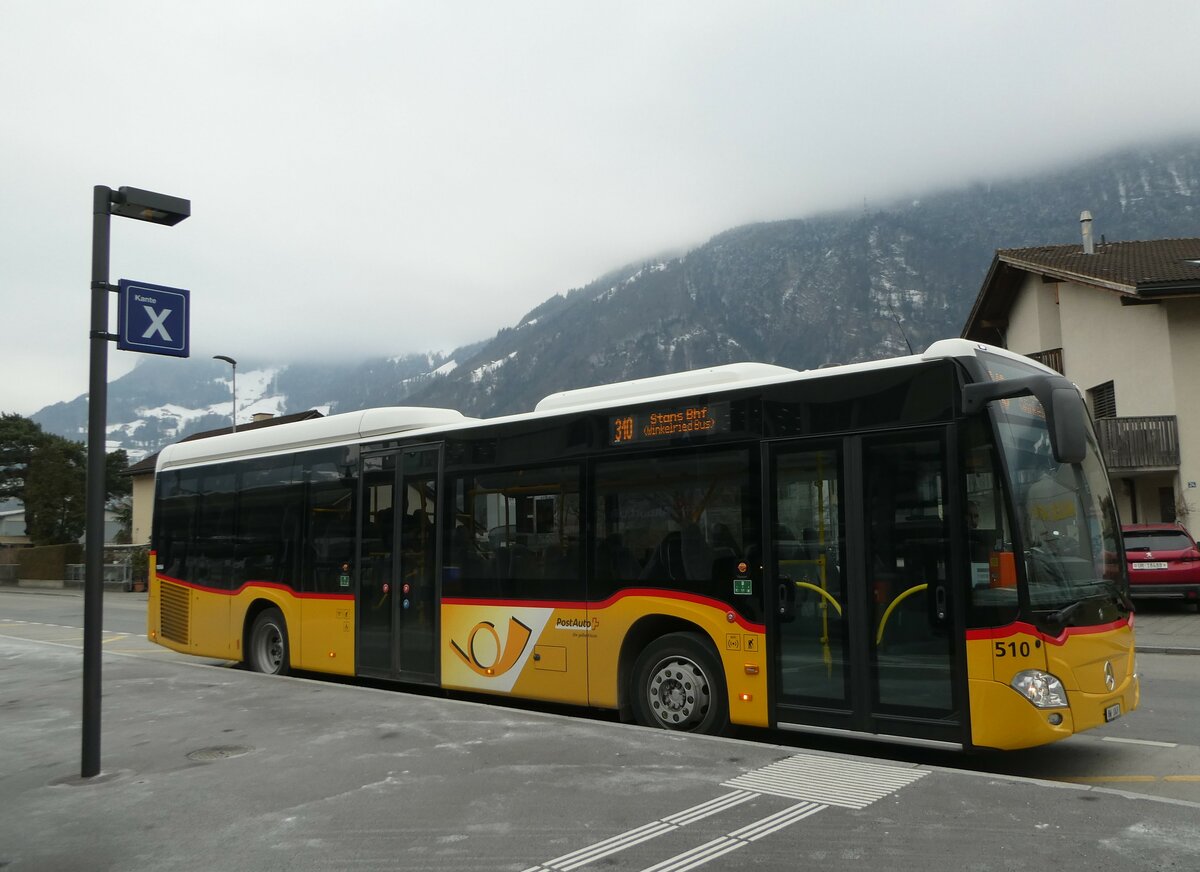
158 402
833 288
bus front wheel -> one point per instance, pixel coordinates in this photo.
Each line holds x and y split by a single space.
678 685
268 648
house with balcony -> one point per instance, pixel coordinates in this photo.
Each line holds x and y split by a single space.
1122 321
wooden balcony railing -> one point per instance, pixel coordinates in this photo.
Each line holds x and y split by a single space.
1148 442
1052 358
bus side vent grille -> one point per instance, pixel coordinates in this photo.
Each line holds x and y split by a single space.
174 611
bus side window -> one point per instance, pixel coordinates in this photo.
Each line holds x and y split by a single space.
329 514
680 520
515 530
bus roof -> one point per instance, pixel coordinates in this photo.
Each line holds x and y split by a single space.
331 430
353 427
711 378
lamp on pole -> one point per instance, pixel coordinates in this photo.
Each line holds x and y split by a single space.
232 363
157 209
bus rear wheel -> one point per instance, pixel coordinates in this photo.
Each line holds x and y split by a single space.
678 685
267 650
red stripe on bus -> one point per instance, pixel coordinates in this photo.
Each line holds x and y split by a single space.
272 585
536 604
603 604
1020 627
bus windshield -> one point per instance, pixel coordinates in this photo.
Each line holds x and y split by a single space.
1066 517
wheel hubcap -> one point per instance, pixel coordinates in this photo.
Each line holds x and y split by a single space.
678 692
271 647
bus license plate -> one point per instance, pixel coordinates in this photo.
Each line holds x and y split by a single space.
1112 712
1155 565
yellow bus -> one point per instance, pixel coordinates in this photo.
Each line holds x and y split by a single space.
924 549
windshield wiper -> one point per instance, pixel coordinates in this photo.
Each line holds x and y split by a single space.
1111 593
1064 614
1114 590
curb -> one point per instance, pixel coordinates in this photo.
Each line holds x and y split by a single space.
1166 649
43 585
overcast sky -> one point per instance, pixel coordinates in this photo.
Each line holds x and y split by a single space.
388 177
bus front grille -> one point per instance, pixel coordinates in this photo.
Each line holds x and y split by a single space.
174 611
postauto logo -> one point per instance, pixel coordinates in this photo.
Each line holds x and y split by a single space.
498 658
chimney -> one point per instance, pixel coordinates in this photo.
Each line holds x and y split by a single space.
261 416
1085 222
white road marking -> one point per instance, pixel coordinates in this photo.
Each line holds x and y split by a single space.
818 782
719 847
652 830
828 780
1141 742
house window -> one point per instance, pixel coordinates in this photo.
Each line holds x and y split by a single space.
1104 401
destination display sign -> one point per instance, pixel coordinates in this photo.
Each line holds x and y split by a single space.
668 422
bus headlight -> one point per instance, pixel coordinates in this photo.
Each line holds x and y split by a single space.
1040 688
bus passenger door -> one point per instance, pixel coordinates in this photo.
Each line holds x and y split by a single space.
859 550
420 540
398 548
806 568
912 623
375 610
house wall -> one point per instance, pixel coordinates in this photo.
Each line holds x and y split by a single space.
1151 353
1132 347
1033 321
1129 345
143 508
12 524
12 529
1184 320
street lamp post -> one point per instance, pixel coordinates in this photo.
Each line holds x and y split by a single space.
232 363
157 209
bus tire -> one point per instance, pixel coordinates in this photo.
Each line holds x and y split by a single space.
678 685
268 649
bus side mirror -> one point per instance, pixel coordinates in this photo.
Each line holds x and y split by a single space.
1068 428
1066 416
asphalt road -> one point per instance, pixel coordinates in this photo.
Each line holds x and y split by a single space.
210 767
1153 751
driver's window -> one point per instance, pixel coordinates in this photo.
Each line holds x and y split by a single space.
992 570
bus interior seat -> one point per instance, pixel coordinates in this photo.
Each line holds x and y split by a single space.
682 555
696 553
615 560
666 560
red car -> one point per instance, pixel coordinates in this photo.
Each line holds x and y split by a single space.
1163 562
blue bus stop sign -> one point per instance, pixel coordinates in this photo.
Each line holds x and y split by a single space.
152 319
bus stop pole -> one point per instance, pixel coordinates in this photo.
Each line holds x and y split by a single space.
93 577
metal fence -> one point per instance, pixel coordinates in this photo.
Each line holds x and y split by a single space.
115 574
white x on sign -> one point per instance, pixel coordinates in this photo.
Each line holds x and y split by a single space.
152 319
157 323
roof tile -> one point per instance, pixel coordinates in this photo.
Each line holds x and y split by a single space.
1158 264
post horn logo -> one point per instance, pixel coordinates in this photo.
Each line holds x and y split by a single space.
506 655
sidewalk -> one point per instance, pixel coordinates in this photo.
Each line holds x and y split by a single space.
1167 627
206 770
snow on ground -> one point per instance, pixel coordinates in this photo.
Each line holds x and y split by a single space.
478 374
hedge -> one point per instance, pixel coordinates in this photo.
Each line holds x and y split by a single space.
48 562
